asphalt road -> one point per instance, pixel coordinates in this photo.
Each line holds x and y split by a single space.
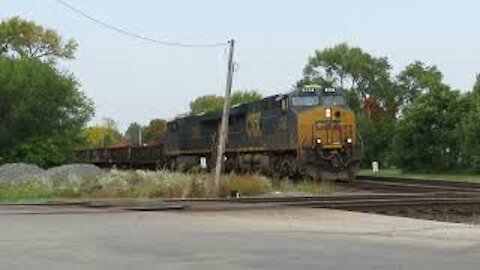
260 239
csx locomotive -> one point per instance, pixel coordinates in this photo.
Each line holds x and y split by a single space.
308 132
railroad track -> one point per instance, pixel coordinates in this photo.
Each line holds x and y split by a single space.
332 201
404 197
452 207
409 185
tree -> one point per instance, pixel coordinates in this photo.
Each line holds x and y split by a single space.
213 103
416 79
470 130
42 112
132 135
376 137
103 135
155 131
206 104
427 137
476 87
245 96
352 69
22 38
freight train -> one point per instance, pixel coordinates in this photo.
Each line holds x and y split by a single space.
308 132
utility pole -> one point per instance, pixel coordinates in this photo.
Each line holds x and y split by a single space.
224 125
139 135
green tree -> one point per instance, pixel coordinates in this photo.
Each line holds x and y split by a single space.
206 104
470 130
416 79
103 135
476 87
155 131
23 38
213 103
359 73
427 138
133 132
377 137
245 96
42 112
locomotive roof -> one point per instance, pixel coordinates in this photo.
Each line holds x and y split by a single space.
242 109
239 109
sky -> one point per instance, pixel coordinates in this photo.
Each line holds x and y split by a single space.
132 80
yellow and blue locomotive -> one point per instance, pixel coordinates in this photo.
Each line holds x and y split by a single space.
308 132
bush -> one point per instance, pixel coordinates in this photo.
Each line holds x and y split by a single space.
306 187
246 185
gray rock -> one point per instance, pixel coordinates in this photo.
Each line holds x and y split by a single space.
73 173
16 172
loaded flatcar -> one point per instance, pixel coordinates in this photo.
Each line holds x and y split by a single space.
124 156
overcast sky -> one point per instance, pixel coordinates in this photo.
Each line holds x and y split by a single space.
131 80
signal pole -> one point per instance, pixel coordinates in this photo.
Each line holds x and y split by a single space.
224 124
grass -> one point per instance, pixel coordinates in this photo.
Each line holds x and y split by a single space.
132 184
139 184
424 176
246 185
304 187
32 191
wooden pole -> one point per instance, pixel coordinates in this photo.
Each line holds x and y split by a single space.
139 135
224 124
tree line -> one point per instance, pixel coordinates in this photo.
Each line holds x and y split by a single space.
411 120
107 134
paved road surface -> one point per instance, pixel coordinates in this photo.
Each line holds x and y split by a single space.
259 239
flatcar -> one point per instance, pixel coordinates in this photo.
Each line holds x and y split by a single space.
124 156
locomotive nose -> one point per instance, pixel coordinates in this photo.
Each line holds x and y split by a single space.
328 129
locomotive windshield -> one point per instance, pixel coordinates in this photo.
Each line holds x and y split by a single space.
316 95
333 97
333 100
305 101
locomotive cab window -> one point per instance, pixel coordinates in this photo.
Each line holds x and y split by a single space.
333 100
333 97
304 101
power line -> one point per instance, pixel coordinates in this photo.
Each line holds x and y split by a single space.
138 36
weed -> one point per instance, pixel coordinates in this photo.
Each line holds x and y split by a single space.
245 185
150 184
305 186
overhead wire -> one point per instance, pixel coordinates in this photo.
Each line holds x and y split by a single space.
135 35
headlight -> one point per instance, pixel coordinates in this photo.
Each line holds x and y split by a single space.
349 140
328 112
319 141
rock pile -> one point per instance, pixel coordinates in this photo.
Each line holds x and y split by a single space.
17 172
14 172
72 173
